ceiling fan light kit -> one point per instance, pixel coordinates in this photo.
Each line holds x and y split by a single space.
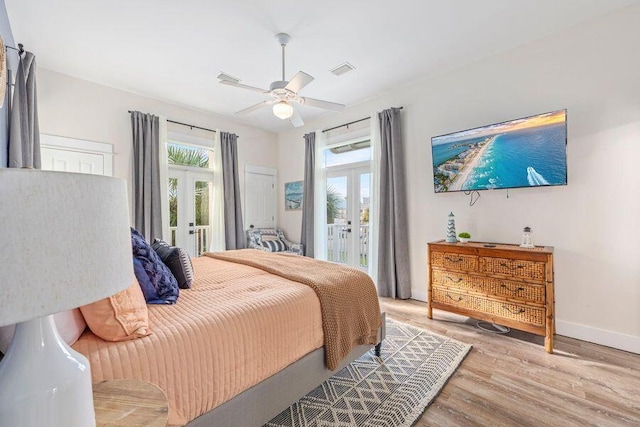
282 92
283 110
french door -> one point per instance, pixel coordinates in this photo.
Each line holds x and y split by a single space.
190 209
348 205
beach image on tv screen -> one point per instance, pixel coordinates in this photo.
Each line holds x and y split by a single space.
519 153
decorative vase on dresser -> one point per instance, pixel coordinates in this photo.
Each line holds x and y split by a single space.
499 283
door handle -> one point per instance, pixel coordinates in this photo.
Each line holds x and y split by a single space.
192 232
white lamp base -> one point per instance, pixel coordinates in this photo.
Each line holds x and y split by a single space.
43 381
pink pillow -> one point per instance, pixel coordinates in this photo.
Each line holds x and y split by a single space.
120 317
70 325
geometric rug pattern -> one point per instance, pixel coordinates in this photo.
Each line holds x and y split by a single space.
388 391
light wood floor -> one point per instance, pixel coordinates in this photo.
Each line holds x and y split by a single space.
509 380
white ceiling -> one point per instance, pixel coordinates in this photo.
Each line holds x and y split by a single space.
173 50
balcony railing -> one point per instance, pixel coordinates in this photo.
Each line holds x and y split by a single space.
202 234
338 244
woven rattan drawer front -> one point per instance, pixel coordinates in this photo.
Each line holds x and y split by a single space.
529 270
506 310
489 286
454 261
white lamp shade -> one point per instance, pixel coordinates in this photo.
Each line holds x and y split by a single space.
64 241
283 110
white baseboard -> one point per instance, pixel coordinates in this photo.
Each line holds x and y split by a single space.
573 330
598 336
581 332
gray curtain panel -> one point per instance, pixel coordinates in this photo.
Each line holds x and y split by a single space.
393 252
307 238
233 227
147 216
24 132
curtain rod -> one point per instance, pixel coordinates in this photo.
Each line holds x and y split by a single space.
187 125
20 47
350 123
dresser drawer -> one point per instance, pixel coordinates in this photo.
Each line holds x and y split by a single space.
506 310
529 270
489 286
454 261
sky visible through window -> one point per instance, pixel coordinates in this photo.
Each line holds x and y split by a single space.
355 156
341 187
349 157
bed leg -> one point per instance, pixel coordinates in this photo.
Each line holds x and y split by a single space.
378 348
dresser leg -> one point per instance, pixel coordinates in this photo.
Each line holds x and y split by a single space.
548 341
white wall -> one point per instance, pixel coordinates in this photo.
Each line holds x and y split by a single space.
80 109
593 70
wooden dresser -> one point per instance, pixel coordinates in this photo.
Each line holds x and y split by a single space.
504 284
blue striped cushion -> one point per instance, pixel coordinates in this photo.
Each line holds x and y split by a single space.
276 245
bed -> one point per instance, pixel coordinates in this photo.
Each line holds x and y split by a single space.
246 341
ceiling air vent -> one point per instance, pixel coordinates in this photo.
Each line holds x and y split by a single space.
227 77
342 69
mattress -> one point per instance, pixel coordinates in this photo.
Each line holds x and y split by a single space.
237 326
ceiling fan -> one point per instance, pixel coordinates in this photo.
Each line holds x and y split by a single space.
283 93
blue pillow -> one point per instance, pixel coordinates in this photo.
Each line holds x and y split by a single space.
148 290
165 285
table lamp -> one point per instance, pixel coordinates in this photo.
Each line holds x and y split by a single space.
64 242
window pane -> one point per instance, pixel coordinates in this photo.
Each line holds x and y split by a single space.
186 155
337 239
347 154
363 235
203 193
173 208
203 196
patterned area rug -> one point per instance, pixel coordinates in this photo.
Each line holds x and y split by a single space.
391 391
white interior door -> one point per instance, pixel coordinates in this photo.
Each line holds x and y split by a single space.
260 200
348 216
190 210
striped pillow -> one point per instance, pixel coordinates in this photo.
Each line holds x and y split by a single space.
178 261
276 245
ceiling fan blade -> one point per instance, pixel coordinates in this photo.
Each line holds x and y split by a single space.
300 80
253 108
323 104
240 85
296 120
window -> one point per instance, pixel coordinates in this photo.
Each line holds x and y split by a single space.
353 152
190 155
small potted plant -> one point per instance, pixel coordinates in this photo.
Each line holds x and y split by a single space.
464 237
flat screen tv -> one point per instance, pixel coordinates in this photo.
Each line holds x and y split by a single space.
527 152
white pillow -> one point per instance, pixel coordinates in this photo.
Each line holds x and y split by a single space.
70 325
